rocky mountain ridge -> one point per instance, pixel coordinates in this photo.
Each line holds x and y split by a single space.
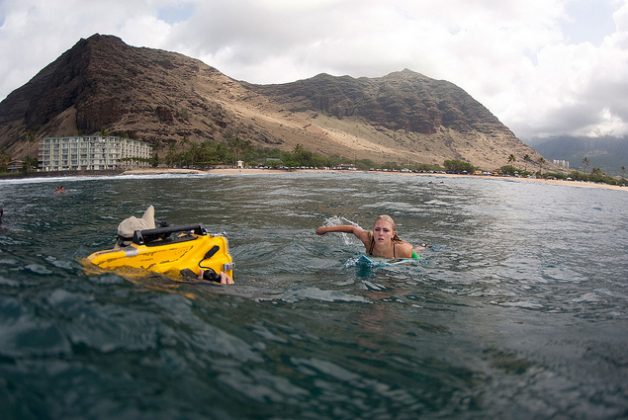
166 98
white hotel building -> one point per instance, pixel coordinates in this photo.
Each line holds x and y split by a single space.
91 153
561 162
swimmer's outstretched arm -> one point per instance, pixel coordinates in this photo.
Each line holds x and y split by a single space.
360 233
321 230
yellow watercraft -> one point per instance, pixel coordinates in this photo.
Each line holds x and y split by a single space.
180 252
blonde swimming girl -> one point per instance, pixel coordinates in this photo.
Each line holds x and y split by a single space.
382 241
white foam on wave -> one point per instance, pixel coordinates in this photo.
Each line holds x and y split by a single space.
438 203
314 293
347 239
68 179
520 304
587 297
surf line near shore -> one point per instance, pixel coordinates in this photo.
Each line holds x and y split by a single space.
255 171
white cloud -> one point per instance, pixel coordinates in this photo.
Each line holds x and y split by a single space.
35 32
517 57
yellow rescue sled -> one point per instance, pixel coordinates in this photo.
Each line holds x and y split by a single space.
180 252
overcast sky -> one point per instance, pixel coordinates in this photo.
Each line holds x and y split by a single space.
543 67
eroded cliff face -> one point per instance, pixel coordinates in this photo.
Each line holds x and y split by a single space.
164 97
402 100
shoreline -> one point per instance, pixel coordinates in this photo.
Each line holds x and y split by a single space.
253 171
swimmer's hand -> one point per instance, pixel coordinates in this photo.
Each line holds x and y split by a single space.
225 278
321 230
222 278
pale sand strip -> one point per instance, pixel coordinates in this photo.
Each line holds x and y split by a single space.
234 171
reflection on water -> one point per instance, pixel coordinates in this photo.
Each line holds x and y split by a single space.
518 308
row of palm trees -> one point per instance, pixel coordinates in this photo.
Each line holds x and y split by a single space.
527 159
541 162
586 163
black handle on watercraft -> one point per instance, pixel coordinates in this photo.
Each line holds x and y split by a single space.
211 252
142 236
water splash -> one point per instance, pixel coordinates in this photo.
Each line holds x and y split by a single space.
347 238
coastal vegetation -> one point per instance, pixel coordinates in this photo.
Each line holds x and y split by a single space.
459 166
596 175
210 154
4 161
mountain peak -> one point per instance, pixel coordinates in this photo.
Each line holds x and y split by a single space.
98 41
98 38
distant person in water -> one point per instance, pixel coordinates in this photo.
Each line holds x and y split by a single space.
382 241
60 189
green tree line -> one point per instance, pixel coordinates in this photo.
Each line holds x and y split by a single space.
210 153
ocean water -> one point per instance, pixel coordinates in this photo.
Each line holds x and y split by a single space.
518 309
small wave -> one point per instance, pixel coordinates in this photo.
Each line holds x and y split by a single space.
8 261
37 269
68 179
24 334
314 293
395 208
587 297
62 296
519 304
8 282
373 286
339 220
107 279
59 263
438 203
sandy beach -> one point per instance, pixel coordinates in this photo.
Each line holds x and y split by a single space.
253 171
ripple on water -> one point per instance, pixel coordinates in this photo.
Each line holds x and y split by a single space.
24 334
316 294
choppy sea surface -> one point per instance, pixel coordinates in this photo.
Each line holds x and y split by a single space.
519 308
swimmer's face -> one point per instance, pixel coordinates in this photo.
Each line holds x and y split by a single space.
383 231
